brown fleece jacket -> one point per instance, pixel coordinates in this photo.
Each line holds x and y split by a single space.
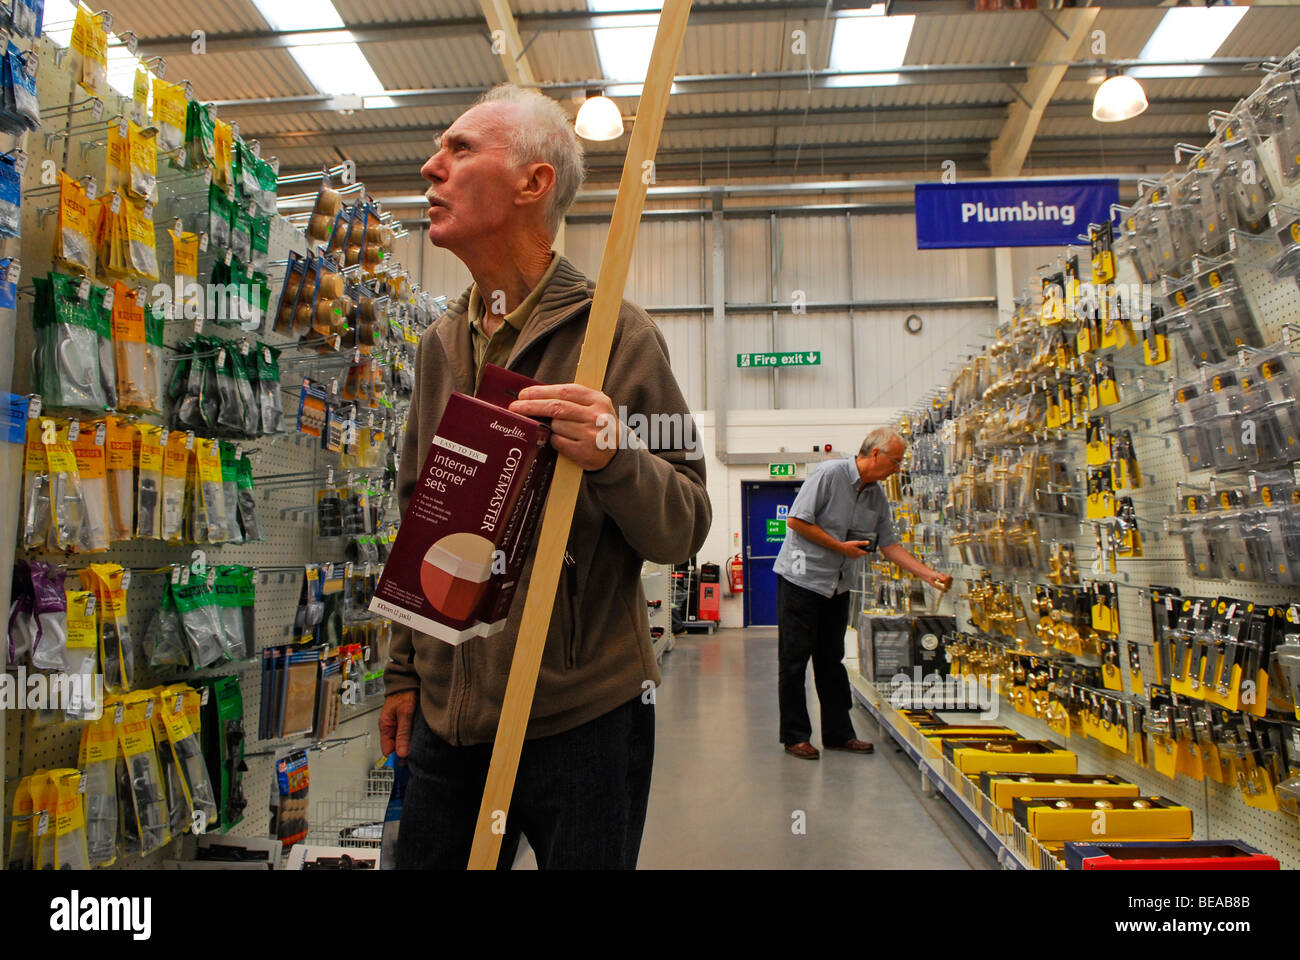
646 504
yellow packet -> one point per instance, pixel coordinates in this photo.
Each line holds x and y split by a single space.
223 139
73 240
143 154
143 247
169 106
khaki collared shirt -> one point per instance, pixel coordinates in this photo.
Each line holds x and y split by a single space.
496 348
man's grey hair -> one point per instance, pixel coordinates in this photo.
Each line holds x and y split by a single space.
880 439
544 133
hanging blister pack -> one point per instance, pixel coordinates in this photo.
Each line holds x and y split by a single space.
148 472
88 448
97 759
210 493
37 513
22 615
175 476
10 198
67 502
50 607
229 612
74 248
109 582
182 741
250 526
196 604
165 642
82 645
67 356
146 825
230 490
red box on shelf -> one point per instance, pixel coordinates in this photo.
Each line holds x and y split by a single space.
1167 855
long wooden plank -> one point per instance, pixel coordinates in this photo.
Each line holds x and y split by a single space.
563 497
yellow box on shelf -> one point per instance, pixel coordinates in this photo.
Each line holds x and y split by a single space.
1004 788
1058 819
973 757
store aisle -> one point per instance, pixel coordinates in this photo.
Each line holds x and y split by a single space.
724 793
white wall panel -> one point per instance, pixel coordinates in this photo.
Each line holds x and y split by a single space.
749 264
888 266
896 368
824 386
812 255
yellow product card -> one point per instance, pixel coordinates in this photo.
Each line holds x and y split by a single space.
34 459
140 234
148 441
208 454
1094 395
1108 392
176 458
135 732
140 91
223 149
1155 349
1099 452
1163 756
116 160
119 445
83 628
74 219
99 737
1103 267
169 104
1100 506
1264 795
1188 759
1083 339
143 150
70 812
128 316
89 453
192 701
173 717
59 457
185 253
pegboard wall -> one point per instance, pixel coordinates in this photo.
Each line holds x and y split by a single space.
1219 811
287 468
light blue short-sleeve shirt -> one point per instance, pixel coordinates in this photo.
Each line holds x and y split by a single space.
835 499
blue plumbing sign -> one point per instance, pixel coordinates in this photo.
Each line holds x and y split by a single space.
1010 213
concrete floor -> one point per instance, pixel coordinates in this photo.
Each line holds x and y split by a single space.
726 795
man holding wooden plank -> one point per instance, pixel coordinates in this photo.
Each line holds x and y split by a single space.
501 180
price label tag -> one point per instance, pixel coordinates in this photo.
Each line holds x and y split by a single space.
1253 482
81 784
106 18
180 156
83 289
116 203
1295 471
185 576
275 165
266 354
31 61
126 579
203 243
74 431
20 162
97 111
110 297
90 604
244 347
178 704
198 324
207 177
203 697
234 130
148 710
176 575
189 439
177 226
212 576
1213 488
230 193
227 257
334 386
221 357
148 211
43 823
119 712
122 128
327 569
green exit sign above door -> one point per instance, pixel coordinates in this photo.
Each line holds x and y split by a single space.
806 358
777 470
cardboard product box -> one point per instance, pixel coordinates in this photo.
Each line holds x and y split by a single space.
919 717
1001 790
888 646
1057 819
973 757
470 524
1167 855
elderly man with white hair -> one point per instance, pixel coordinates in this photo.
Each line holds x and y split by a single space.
839 515
504 174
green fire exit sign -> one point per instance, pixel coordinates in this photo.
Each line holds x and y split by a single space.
775 470
804 358
775 530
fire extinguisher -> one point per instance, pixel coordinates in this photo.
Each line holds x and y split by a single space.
736 575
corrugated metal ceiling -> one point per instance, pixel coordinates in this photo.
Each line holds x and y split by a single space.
746 45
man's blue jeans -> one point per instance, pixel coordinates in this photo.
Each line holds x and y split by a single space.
580 796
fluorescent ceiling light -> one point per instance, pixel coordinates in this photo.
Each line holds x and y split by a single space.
869 40
1188 33
624 51
334 62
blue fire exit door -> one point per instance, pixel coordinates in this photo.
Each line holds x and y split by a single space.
764 505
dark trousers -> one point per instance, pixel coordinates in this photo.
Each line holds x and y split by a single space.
810 625
580 796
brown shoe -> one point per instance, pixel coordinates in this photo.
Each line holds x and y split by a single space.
852 746
804 751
